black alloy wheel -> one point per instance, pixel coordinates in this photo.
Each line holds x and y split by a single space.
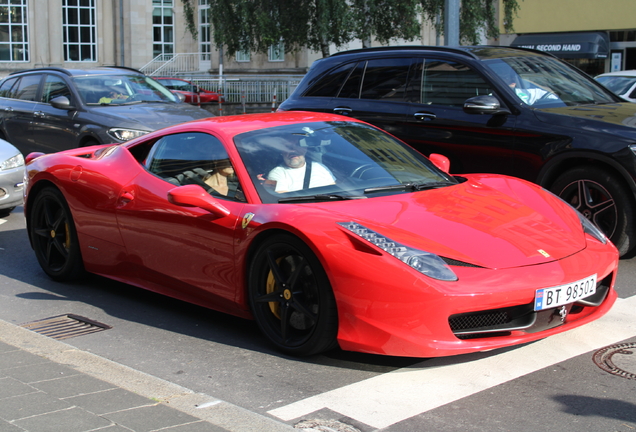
291 297
601 197
54 237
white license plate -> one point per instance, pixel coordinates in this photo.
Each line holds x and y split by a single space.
548 298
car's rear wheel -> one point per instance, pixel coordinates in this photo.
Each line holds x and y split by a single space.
54 237
601 197
291 297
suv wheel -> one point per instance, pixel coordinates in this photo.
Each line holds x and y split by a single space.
601 197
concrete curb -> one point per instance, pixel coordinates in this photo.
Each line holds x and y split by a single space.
199 405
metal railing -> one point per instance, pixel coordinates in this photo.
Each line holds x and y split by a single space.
172 64
249 89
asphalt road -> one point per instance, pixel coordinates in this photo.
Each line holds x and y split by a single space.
551 384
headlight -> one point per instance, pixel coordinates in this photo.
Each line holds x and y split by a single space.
14 162
125 134
591 229
426 263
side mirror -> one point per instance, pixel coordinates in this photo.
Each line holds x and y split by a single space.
179 96
441 162
62 102
484 105
196 196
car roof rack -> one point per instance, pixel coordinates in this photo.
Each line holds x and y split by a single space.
457 50
51 68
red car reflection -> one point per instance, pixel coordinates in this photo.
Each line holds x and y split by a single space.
194 94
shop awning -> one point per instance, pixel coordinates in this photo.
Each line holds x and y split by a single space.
589 45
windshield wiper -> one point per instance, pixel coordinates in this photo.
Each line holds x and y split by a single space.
319 197
407 187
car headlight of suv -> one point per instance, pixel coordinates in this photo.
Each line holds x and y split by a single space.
13 162
125 134
424 262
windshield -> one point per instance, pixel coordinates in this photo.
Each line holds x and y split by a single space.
545 82
618 84
122 89
347 160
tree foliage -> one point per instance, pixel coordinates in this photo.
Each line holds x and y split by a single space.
255 25
475 17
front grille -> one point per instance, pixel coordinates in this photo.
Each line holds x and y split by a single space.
487 319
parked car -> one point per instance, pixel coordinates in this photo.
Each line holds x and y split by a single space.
52 109
623 83
494 110
370 246
11 178
193 94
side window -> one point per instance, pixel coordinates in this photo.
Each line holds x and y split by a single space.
329 84
27 87
351 88
444 82
385 79
53 87
195 158
5 88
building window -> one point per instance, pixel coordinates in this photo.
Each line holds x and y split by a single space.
78 19
242 56
162 28
204 30
14 45
277 52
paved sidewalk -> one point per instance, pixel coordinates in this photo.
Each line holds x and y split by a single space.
47 385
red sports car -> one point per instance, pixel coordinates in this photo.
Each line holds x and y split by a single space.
193 94
325 230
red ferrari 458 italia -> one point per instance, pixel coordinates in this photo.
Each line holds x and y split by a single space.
325 230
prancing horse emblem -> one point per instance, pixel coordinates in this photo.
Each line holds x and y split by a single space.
563 312
247 219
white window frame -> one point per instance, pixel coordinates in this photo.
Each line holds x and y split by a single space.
205 44
243 56
12 31
165 31
276 52
79 28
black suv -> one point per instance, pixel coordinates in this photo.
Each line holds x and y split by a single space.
494 110
52 109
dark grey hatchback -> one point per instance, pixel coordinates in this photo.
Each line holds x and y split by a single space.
494 110
52 109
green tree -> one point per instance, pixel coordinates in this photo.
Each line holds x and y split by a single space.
385 20
475 16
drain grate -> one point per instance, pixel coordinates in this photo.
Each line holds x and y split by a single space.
606 360
65 326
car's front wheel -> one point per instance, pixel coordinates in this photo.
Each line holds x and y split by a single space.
601 197
291 297
53 236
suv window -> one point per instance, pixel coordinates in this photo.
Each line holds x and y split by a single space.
27 87
442 82
5 89
330 83
53 87
385 79
351 88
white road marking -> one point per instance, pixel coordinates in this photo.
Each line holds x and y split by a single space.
390 398
2 221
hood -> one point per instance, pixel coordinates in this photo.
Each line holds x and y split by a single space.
595 118
150 116
489 221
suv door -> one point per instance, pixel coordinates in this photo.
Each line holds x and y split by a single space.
55 129
435 121
17 110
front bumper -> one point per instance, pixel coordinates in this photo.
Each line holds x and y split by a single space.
11 188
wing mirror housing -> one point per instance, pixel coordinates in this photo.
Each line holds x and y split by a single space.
196 196
62 102
441 162
485 104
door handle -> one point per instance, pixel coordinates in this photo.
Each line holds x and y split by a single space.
342 110
8 109
38 114
125 198
425 116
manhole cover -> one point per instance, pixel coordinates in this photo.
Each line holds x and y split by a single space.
65 326
324 426
618 360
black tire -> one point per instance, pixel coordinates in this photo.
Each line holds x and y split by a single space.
602 198
54 237
291 297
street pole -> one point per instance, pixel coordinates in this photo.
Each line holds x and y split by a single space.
451 22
